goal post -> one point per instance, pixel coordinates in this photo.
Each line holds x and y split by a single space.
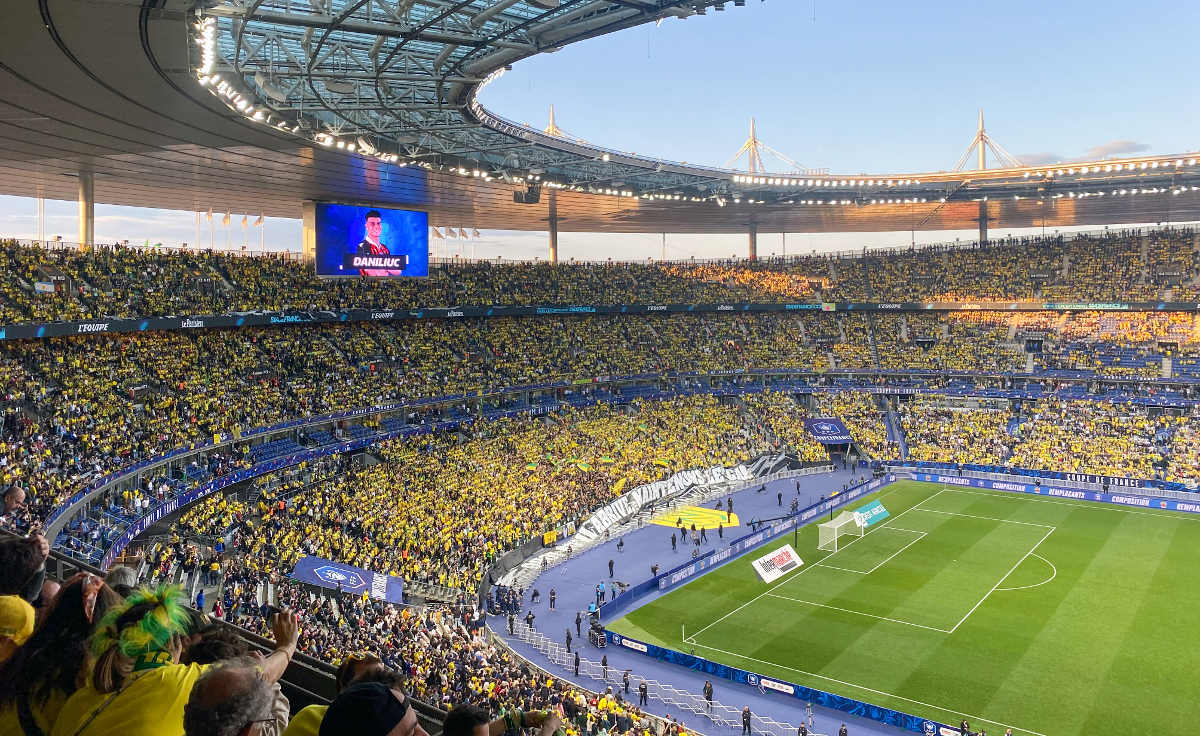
830 533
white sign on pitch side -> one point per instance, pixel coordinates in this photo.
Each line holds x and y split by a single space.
771 566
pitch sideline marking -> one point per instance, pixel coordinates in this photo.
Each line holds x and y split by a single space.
870 690
860 613
1053 575
1083 503
1001 580
809 567
884 562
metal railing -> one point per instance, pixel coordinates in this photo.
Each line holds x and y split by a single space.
723 718
163 249
525 572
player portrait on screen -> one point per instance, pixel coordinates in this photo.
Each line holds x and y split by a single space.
371 245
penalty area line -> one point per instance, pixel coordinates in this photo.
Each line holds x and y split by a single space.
792 576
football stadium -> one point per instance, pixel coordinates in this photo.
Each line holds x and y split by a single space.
360 483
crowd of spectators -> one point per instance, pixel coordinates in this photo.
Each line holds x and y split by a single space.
1184 466
76 408
439 510
429 509
924 342
117 281
937 432
89 658
784 417
1093 437
862 416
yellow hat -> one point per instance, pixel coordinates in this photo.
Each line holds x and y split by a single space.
16 619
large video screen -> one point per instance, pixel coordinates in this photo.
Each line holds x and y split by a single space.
371 241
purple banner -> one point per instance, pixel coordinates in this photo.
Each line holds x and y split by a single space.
828 430
349 579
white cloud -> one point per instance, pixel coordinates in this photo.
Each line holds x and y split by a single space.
1115 148
1039 159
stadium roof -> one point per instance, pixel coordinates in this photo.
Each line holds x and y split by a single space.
258 106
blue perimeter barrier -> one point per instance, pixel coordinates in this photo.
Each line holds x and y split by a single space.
1138 501
1111 480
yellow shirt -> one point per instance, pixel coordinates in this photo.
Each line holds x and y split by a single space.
150 704
44 714
307 722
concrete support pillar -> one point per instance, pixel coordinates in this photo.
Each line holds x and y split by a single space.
753 242
41 216
308 231
553 226
87 209
983 222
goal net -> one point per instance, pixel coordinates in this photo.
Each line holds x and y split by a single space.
830 533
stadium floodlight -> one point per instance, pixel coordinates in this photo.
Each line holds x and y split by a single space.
830 533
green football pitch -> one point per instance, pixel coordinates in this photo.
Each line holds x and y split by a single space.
1049 616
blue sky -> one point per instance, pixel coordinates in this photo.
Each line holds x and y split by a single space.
868 86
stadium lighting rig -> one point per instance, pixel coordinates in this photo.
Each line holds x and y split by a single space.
255 94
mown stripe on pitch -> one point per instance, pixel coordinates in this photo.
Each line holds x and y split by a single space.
1060 675
1171 695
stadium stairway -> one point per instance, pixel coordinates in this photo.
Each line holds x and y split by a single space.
752 425
892 425
1014 423
1144 271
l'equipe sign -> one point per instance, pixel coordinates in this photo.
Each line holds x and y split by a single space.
773 565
